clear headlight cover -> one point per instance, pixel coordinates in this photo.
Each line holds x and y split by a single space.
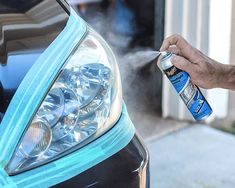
83 103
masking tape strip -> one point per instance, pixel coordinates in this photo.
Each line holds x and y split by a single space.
5 180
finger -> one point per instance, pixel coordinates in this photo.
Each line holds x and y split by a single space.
174 50
176 39
182 63
184 47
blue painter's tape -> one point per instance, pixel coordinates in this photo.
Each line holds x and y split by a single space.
77 162
6 181
36 84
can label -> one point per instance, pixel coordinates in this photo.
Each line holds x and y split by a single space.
198 105
190 94
177 77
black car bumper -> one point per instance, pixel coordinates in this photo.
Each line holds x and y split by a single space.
128 168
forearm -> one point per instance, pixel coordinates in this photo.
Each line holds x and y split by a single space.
227 77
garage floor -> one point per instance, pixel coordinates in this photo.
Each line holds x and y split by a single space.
193 157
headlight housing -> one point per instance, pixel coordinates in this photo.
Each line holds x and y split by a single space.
83 103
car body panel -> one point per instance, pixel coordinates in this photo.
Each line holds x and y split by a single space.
127 168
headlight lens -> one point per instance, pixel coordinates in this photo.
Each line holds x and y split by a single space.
83 103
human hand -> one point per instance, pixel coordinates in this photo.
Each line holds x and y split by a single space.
204 71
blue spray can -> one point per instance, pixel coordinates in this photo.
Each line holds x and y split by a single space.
189 93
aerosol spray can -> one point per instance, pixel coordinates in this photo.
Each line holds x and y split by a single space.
189 93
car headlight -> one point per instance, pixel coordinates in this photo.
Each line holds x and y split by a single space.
83 103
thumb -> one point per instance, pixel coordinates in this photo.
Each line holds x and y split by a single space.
182 63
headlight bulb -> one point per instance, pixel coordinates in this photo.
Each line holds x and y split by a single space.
36 140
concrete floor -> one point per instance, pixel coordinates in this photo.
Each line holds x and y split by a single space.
194 157
152 127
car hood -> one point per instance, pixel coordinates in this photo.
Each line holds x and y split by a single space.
27 28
